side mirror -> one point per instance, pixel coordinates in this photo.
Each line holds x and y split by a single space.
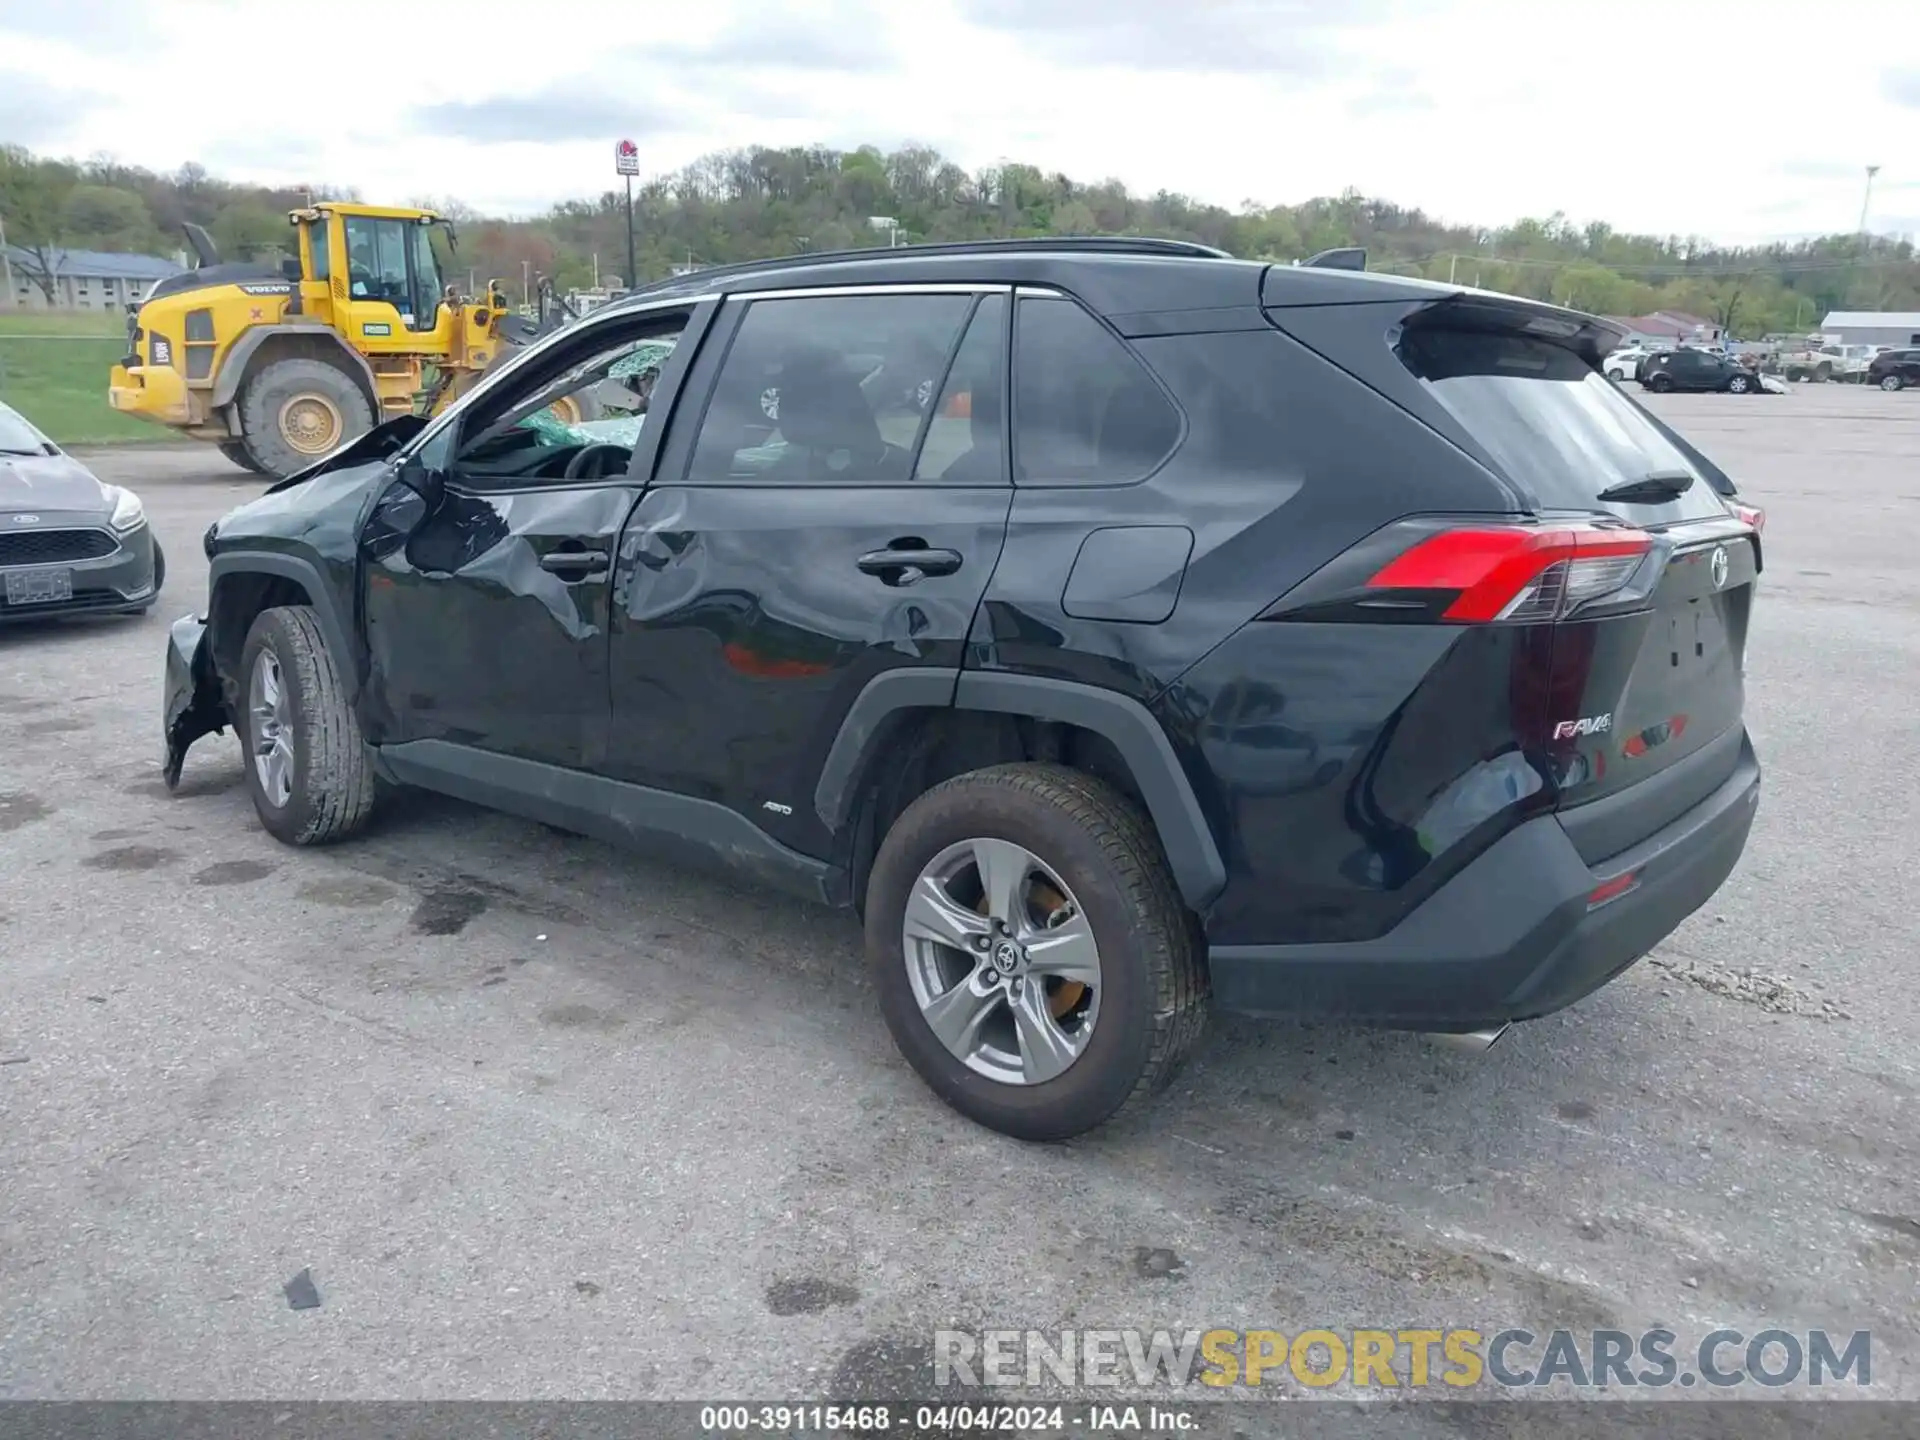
428 484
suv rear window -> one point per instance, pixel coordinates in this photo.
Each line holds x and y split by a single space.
1554 425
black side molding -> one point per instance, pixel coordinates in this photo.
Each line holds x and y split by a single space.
305 574
636 817
887 694
1130 726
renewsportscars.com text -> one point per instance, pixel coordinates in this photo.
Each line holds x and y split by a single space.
1451 1359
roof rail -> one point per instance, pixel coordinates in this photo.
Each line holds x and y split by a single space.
1085 244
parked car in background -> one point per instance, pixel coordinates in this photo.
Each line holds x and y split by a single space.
68 544
1624 364
1832 361
1894 369
1689 369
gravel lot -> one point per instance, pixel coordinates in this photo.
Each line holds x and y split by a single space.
544 1121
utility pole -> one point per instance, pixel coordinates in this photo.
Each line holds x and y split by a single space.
1453 264
626 163
1866 200
633 273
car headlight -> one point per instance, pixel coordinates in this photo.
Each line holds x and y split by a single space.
127 511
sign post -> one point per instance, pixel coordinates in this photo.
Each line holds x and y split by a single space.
626 163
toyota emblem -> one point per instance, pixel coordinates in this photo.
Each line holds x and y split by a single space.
26 519
1719 565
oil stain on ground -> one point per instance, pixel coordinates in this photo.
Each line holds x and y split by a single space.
115 835
18 808
580 1017
446 910
809 1296
129 857
347 894
232 872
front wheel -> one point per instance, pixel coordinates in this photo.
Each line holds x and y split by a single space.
1032 957
1740 384
1660 384
1891 382
307 766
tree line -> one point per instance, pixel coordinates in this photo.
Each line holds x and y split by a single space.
757 202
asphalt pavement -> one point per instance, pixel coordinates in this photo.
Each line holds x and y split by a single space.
539 1119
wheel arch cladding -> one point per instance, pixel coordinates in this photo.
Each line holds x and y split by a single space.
240 587
1192 853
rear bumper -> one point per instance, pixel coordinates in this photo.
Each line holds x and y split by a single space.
1513 935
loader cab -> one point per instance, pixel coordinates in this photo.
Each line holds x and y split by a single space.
379 271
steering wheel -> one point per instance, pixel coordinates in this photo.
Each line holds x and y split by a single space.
577 466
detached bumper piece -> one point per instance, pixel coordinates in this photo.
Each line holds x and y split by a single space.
1525 930
195 704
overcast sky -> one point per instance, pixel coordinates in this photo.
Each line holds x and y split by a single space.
1736 121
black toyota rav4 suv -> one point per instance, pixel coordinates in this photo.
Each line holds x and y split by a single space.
1120 627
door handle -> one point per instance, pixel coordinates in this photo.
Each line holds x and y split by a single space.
575 563
900 565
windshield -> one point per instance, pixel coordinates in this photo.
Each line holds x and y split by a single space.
17 437
1552 423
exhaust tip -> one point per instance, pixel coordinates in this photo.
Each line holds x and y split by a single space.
1474 1041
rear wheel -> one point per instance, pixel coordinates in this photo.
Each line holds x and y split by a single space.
1891 382
1660 384
297 411
238 453
307 766
1033 959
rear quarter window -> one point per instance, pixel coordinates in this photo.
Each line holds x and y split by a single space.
1085 411
1556 427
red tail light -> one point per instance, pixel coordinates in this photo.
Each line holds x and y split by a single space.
1527 573
1752 514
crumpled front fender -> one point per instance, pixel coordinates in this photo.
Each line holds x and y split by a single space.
195 703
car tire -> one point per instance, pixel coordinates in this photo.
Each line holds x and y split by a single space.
1740 384
1660 384
1891 383
310 396
159 569
1146 1009
321 789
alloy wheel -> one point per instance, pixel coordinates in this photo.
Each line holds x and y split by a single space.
272 729
1002 961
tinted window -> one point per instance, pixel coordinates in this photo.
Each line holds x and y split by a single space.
827 391
322 261
1085 410
377 260
1552 424
963 444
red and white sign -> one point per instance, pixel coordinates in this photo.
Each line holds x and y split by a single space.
626 158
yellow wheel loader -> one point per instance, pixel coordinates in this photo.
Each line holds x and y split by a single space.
279 366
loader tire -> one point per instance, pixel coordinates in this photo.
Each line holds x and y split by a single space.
296 412
241 456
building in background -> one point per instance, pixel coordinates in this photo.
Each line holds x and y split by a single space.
1899 328
1668 329
82 279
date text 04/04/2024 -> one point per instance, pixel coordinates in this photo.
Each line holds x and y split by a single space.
945 1419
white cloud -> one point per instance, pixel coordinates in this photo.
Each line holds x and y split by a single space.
1649 114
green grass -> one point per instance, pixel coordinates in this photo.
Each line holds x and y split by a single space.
62 322
61 384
